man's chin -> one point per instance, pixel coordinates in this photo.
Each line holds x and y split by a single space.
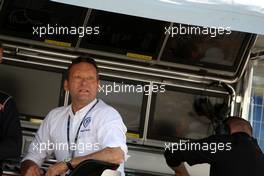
85 100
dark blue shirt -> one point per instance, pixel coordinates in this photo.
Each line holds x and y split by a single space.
10 130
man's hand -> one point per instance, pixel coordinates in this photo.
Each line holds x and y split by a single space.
181 170
30 168
57 169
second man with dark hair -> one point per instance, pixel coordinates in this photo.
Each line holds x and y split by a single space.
232 154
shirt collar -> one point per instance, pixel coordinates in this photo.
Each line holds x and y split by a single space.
82 112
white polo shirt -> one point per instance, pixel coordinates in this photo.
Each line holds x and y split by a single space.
103 127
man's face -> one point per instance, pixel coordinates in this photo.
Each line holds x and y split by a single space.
1 54
82 83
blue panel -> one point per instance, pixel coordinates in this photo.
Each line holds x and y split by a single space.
256 128
257 113
262 130
257 100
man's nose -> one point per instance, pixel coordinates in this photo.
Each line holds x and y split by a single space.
84 81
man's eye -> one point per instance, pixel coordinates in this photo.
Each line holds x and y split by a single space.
89 78
76 77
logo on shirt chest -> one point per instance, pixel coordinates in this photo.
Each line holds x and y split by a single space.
86 122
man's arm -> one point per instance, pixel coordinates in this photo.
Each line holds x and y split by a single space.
30 168
180 170
111 155
37 151
11 143
192 152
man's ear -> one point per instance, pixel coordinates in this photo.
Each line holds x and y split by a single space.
1 54
66 85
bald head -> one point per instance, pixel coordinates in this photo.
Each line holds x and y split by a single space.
237 124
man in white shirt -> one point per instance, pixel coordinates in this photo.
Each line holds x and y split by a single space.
86 129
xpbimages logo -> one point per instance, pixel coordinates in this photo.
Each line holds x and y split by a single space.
173 31
126 88
186 145
64 30
81 147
